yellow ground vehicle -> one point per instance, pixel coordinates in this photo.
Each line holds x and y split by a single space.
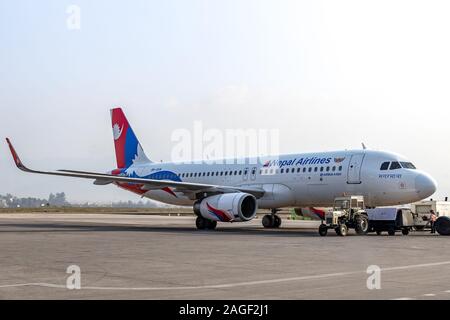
348 213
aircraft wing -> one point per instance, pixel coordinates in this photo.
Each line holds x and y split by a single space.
148 184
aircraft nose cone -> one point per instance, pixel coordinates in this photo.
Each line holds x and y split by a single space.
425 185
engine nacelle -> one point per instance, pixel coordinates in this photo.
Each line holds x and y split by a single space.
228 207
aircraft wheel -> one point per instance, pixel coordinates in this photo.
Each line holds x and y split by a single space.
268 221
323 230
211 225
201 223
276 221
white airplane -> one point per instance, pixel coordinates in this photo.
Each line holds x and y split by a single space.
233 192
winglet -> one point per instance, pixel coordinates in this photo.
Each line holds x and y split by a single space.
16 158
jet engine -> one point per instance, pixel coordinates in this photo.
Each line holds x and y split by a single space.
227 207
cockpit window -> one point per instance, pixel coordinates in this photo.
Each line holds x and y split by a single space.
408 165
384 165
395 165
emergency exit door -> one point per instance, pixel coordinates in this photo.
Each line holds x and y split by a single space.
354 168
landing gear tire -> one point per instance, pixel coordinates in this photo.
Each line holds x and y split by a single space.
211 225
205 224
362 225
323 230
277 221
200 222
342 230
271 221
267 221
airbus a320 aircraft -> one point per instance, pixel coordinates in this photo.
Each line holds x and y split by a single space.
233 192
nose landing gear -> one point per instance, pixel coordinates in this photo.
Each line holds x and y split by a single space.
272 221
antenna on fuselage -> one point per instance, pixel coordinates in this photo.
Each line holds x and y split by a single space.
363 146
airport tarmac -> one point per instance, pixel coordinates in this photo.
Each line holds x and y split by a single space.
160 257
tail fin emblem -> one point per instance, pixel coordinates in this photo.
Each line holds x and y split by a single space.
117 131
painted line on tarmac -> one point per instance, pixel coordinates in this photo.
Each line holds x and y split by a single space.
229 285
34 284
429 295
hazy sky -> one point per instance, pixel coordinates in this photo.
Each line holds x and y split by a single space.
327 74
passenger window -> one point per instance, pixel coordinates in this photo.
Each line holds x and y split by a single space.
334 168
282 170
221 173
340 168
328 169
395 165
304 169
315 169
240 172
309 169
298 170
384 165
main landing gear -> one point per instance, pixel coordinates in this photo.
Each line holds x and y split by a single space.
205 224
271 221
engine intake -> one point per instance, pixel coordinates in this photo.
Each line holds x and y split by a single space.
228 207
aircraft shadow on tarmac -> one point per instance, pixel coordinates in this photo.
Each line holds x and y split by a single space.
65 227
250 231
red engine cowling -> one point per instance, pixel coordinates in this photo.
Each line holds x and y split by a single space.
228 207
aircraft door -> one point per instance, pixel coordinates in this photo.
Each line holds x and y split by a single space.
354 168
